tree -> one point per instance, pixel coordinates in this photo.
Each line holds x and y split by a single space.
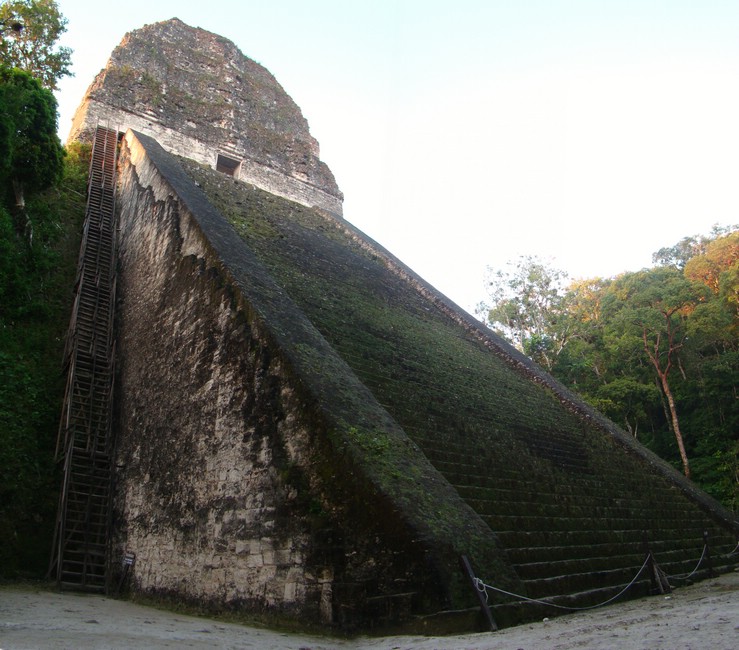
31 155
527 304
626 399
33 48
718 256
718 269
656 351
679 254
689 247
655 304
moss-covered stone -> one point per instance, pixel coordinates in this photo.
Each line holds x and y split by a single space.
525 459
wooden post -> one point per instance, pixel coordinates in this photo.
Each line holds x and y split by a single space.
467 568
657 577
709 562
650 561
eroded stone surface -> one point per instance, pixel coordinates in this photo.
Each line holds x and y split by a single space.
264 383
254 470
199 96
206 506
306 427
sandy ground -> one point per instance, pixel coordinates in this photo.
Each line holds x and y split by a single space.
702 616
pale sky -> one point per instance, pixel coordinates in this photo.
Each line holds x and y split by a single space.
466 133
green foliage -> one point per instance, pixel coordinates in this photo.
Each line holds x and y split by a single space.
687 248
31 156
526 305
654 350
35 297
33 49
627 401
677 256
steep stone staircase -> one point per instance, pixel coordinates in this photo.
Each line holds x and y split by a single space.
577 508
573 507
578 538
84 444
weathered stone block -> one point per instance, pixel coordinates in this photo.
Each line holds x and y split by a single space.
231 109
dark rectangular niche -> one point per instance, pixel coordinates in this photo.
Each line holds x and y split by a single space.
227 165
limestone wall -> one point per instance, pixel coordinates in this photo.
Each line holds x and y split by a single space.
204 410
254 469
92 112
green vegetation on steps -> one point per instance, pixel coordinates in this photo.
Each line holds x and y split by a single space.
482 424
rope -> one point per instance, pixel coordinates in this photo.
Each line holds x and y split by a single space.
734 551
482 587
690 575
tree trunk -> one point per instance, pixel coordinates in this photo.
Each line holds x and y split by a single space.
20 199
675 424
662 374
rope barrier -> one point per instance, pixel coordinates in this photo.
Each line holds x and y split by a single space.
482 587
736 548
685 576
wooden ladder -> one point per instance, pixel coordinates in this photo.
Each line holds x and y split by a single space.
84 445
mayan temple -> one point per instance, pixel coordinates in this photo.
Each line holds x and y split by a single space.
268 412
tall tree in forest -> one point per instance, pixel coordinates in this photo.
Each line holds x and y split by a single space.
31 155
689 247
679 254
525 307
654 304
656 351
29 42
718 269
